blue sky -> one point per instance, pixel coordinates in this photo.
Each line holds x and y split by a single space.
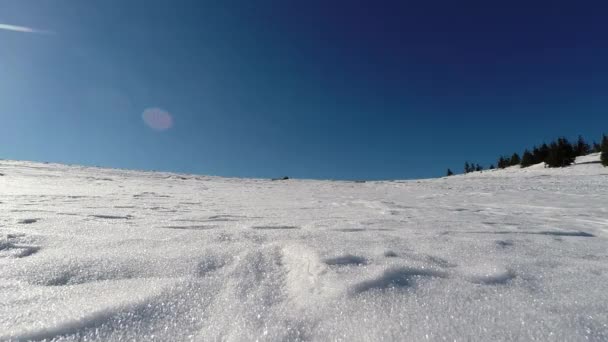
309 89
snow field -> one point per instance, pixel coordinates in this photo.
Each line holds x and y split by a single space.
113 255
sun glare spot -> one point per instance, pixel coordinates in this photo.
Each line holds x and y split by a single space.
157 119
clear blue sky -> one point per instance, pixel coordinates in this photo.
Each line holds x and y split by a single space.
311 89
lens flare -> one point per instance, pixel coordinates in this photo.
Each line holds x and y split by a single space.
157 119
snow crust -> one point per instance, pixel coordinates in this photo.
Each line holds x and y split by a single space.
91 254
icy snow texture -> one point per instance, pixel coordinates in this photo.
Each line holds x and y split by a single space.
116 255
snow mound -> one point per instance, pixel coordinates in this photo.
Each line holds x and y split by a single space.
588 165
117 255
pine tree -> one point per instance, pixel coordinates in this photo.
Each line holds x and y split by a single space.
450 173
604 155
527 159
515 160
535 153
540 154
467 167
596 147
582 148
491 167
478 167
561 153
503 162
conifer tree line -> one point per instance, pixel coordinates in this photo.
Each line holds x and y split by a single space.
558 153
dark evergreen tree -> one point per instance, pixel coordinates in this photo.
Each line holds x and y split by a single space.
582 148
478 167
515 160
503 162
604 155
527 159
535 152
596 147
450 173
467 167
491 167
540 154
561 153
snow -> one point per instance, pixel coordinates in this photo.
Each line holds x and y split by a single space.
112 255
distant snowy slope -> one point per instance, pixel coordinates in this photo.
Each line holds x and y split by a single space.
588 165
591 158
118 255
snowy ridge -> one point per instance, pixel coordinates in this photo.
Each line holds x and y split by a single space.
112 255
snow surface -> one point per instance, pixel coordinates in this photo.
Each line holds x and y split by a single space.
109 255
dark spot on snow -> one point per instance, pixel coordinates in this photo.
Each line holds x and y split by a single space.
561 233
440 261
345 260
177 177
504 243
28 221
223 218
550 233
144 194
15 235
194 227
209 265
281 178
499 278
27 251
349 230
68 214
100 179
149 194
401 277
275 227
14 246
390 254
214 217
112 217
66 277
